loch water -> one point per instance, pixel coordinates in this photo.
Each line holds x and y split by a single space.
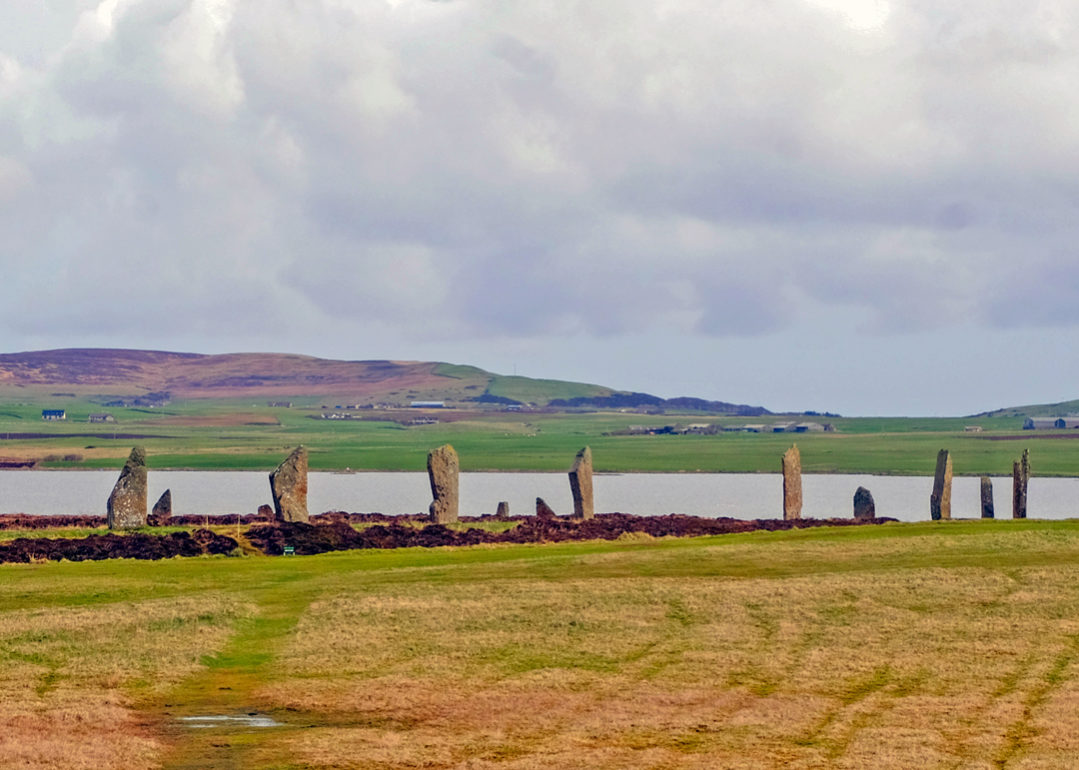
738 495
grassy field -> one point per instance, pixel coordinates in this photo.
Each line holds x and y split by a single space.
947 645
228 434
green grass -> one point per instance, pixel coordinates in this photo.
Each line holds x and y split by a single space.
233 434
930 645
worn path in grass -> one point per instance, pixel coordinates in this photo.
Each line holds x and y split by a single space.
206 719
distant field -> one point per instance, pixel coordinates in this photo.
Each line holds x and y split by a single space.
235 434
944 645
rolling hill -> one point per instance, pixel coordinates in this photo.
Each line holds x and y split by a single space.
151 375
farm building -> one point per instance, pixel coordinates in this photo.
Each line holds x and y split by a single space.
52 415
1051 423
428 405
102 418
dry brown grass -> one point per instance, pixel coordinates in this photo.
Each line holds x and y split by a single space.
71 677
969 668
957 647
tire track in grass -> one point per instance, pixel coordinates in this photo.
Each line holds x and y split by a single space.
1020 731
211 720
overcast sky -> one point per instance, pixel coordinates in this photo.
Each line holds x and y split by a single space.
862 206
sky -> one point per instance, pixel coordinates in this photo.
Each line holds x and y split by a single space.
859 206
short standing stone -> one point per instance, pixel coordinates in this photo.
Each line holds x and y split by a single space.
987 498
1020 482
544 511
580 484
792 483
162 510
864 507
127 503
288 485
503 511
443 468
265 512
940 501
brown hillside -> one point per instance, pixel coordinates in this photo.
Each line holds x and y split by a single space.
191 375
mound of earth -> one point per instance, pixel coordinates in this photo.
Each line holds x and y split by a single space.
113 546
333 531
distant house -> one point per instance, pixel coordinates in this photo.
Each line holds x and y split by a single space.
428 405
280 404
973 429
102 418
808 427
52 415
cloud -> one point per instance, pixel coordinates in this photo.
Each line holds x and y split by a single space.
468 170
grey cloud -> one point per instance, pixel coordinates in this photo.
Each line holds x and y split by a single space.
491 169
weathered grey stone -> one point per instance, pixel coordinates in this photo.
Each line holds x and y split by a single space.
580 484
792 483
543 510
265 512
864 507
443 468
940 501
127 503
503 511
288 485
162 510
1020 482
987 498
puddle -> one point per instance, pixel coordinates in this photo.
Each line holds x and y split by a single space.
229 720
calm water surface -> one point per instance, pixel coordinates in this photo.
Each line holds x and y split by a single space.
702 494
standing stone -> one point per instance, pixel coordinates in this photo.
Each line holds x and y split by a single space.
127 503
265 512
864 507
503 511
443 468
288 485
162 510
792 483
544 511
580 484
1020 481
987 498
940 502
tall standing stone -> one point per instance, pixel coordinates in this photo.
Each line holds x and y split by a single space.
162 510
940 502
443 468
288 485
864 507
792 483
987 498
127 502
503 510
1020 481
580 484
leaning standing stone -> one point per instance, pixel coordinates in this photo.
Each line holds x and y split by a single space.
940 502
162 510
792 483
864 507
580 484
127 503
987 498
288 485
443 469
